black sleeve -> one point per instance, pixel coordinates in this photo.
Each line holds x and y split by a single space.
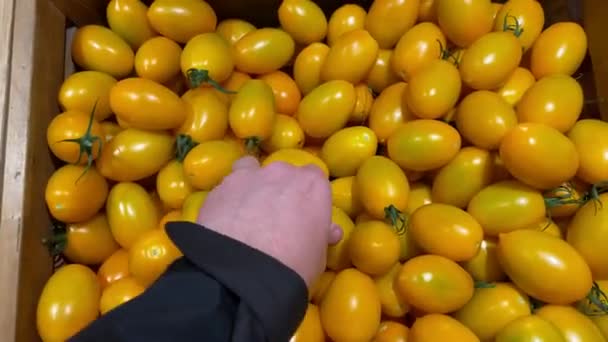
220 291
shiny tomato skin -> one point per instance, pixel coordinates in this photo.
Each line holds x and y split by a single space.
310 329
591 141
544 267
516 85
208 163
351 308
560 49
150 256
506 206
346 18
233 83
304 20
207 116
208 51
527 15
382 75
90 242
286 133
344 151
307 66
530 328
97 48
389 112
434 284
73 195
554 100
380 183
417 48
73 124
84 89
263 50
344 196
423 145
427 11
145 104
391 331
192 206
420 195
232 30
119 293
319 289
338 257
114 268
539 155
464 21
392 304
158 59
252 113
374 247
433 90
68 303
489 61
359 49
172 185
484 266
296 157
180 20
287 96
129 19
388 20
337 97
573 325
439 328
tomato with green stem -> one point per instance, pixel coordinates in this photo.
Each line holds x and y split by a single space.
180 20
207 59
84 90
529 16
171 183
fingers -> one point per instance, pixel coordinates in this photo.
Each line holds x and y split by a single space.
314 169
335 234
248 162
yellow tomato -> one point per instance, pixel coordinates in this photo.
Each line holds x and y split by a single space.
363 104
527 17
118 293
420 195
427 11
208 163
192 205
346 18
84 90
263 50
390 331
595 313
233 29
286 133
439 328
320 287
591 140
304 20
172 185
573 325
171 216
344 197
351 308
547 226
110 130
382 75
389 112
484 266
307 66
180 20
423 145
528 329
129 19
207 58
114 268
286 93
75 137
374 247
90 242
150 256
252 114
344 151
560 49
416 49
296 157
234 84
97 48
516 85
338 257
207 117
392 304
464 21
359 49
69 302
388 20
158 59
310 329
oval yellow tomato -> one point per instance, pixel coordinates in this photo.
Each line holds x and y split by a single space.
420 195
118 293
172 185
427 11
97 48
84 90
320 287
180 20
206 57
390 331
464 21
417 48
388 112
114 268
296 157
560 49
129 19
526 16
208 163
304 20
437 328
388 20
234 84
573 325
547 226
286 93
591 141
382 75
484 266
528 329
392 304
307 66
310 329
192 205
344 151
75 137
158 59
252 114
263 50
344 196
374 247
90 242
338 257
286 133
346 18
516 85
171 216
359 49
150 256
207 117
232 30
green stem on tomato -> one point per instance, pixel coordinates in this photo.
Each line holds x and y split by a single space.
58 240
184 144
196 77
516 28
397 219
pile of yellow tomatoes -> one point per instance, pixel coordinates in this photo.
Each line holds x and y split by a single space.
469 189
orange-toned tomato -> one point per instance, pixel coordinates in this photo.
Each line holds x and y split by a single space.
525 17
158 59
72 140
304 20
530 328
320 287
337 97
233 29
420 195
338 257
492 308
439 328
286 133
573 325
150 256
192 206
206 58
263 51
208 163
417 48
392 304
97 48
539 155
388 112
296 157
346 18
90 242
114 268
171 216
252 114
344 196
359 49
68 303
310 329
172 185
544 267
207 117
423 145
363 104
351 308
382 75
433 90
75 194
484 266
380 183
84 90
129 19
374 247
464 21
307 66
506 206
445 230
345 150
390 331
560 49
180 20
590 137
110 130
286 93
516 85
118 293
434 284
388 20
427 11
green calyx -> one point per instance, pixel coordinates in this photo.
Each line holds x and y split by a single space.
252 145
564 195
480 284
196 77
397 219
597 302
511 23
184 144
58 240
446 54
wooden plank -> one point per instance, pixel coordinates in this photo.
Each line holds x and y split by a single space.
6 39
83 12
595 13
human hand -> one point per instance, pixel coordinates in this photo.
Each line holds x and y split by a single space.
281 210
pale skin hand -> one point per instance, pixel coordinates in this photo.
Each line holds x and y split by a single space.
281 210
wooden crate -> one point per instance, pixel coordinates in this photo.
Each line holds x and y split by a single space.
32 66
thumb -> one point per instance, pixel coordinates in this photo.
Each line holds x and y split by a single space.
335 234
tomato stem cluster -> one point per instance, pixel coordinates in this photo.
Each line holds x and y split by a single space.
564 195
446 54
516 28
480 284
184 144
196 77
252 145
397 219
58 240
597 298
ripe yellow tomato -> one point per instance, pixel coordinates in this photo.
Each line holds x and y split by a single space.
171 216
594 312
591 141
307 66
573 325
388 112
427 11
390 331
158 59
344 197
484 266
539 155
172 185
516 85
506 206
234 84
207 117
423 145
445 230
439 328
75 194
338 257
118 293
544 267
344 151
252 114
114 268
374 247
346 18
263 51
208 163
232 30
363 104
97 48
286 93
388 20
492 308
382 75
131 213
555 100
304 20
180 20
192 205
560 49
286 133
417 48
525 16
359 49
490 60
135 154
90 242
463 177
84 90
110 129
392 304
464 21
380 183
420 195
310 329
433 90
351 308
68 303
320 287
75 137
296 157
129 19
207 57
530 328
150 256
547 226
337 97
434 284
